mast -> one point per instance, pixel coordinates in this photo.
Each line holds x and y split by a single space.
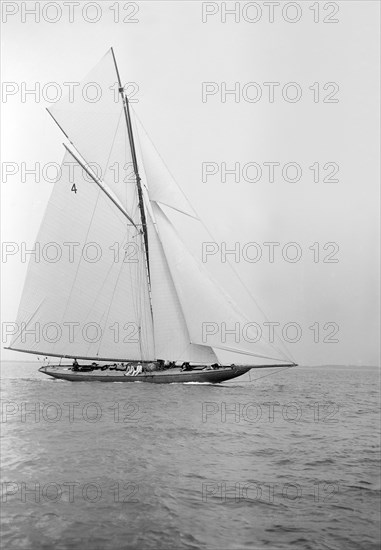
135 166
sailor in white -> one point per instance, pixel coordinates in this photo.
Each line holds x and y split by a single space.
129 370
139 369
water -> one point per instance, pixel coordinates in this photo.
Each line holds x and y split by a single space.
287 460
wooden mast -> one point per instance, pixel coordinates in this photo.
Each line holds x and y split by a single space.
135 165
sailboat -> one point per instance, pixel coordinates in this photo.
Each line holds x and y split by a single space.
115 284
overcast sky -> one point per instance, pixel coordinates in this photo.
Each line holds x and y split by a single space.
169 52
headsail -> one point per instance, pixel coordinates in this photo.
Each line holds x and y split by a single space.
163 189
207 308
172 338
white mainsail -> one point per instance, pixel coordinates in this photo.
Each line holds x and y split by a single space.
92 301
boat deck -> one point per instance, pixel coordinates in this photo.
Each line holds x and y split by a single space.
168 376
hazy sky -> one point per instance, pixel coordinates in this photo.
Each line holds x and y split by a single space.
169 52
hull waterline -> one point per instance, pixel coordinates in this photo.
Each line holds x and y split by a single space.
170 376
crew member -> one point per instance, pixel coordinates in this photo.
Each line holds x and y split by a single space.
139 369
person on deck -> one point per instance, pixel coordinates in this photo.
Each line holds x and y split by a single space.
139 369
130 369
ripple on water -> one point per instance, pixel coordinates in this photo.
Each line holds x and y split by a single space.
169 476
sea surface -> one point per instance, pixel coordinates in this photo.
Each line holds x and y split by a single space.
272 460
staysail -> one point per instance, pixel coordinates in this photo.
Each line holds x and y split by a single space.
172 338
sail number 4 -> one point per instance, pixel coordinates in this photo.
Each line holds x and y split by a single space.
74 188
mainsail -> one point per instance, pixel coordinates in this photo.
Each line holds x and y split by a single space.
86 293
126 285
